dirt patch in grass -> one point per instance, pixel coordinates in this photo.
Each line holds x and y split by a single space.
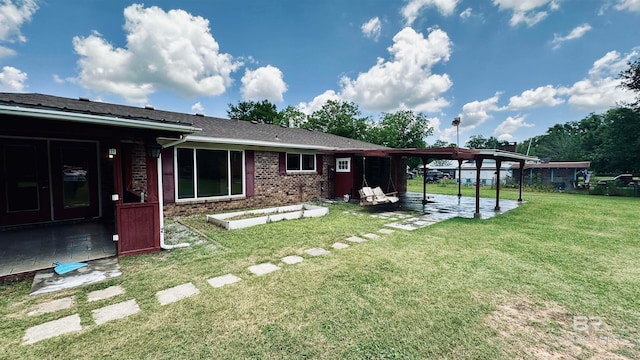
176 231
546 330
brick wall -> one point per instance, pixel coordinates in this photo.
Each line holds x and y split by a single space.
138 168
270 188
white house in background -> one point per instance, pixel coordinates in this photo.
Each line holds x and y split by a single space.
468 171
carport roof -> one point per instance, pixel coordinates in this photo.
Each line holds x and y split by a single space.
449 153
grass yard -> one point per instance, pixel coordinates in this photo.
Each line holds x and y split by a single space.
559 276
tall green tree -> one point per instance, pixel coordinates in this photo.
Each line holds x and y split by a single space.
339 118
480 142
292 116
263 112
403 129
631 80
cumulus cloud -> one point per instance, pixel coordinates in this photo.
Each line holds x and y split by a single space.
476 112
505 130
197 108
411 11
6 52
466 13
576 33
405 80
527 11
172 50
13 14
263 83
630 5
317 102
533 98
12 79
372 28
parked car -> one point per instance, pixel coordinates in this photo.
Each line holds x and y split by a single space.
621 180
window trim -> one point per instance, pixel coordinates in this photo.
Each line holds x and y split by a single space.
300 162
195 175
347 160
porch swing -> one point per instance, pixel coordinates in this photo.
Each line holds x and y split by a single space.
375 196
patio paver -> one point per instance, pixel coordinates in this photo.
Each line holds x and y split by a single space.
316 252
53 306
115 311
263 268
109 292
371 236
293 259
176 293
220 281
386 231
339 246
356 239
51 329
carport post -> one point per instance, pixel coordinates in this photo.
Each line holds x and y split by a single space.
498 164
477 214
521 179
459 177
424 181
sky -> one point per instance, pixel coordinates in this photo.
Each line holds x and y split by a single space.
508 68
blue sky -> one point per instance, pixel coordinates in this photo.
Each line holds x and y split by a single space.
508 68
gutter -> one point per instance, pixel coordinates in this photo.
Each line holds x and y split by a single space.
161 207
272 144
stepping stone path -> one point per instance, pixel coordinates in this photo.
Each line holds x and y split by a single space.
293 259
386 231
53 306
115 311
316 252
109 292
176 293
220 281
263 268
53 328
356 239
339 246
371 236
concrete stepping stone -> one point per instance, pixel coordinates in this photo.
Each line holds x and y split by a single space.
339 246
263 268
115 311
401 226
176 293
316 252
53 306
386 231
220 281
372 236
356 239
53 328
293 259
109 292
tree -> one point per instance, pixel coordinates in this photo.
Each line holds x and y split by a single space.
404 129
339 118
263 112
631 80
292 117
480 142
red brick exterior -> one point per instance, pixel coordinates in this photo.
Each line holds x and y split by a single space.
270 188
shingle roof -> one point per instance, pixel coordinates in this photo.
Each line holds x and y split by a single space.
211 127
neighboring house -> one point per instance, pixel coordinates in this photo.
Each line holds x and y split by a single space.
468 171
561 174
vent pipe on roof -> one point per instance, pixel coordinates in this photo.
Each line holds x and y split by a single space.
199 114
149 107
84 99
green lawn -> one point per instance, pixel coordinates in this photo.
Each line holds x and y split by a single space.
521 285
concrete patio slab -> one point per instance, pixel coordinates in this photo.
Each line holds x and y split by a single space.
371 236
316 252
109 292
386 231
402 226
51 329
176 293
53 306
356 239
115 311
97 270
220 281
293 259
339 246
263 268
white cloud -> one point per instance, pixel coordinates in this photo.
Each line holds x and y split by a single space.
6 52
412 9
539 97
466 14
318 101
406 80
12 79
172 50
263 83
197 108
576 33
631 5
13 14
372 28
527 11
505 130
57 79
477 112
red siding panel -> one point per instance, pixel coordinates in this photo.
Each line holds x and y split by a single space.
138 228
250 169
319 164
168 185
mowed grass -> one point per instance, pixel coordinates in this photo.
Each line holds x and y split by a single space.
436 292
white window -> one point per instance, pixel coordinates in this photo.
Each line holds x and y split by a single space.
343 165
301 162
206 173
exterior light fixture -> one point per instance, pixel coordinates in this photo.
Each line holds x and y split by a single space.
112 153
153 150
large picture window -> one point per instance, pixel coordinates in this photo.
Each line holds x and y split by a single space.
301 162
204 173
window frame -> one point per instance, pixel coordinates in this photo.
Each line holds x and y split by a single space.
300 169
194 150
343 159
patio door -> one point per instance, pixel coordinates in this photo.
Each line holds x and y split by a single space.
25 182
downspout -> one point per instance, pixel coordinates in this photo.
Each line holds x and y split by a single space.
161 207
